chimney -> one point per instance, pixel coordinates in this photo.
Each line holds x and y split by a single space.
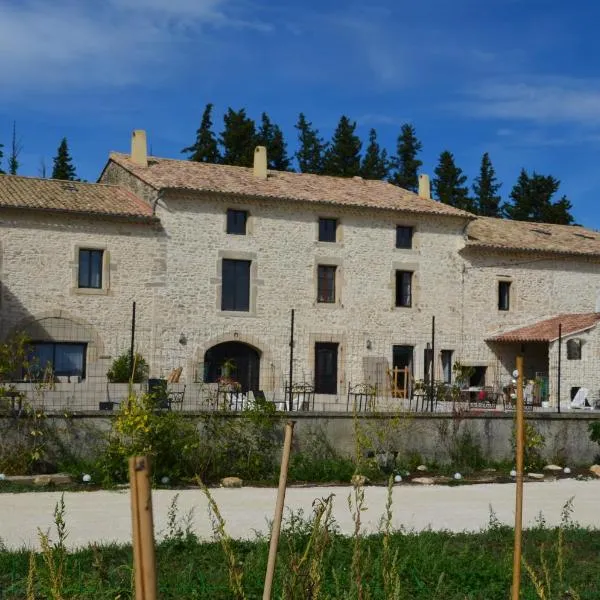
260 162
139 150
424 187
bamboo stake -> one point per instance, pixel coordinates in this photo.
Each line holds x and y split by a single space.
144 560
516 584
285 461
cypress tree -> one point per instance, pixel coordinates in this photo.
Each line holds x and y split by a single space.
449 183
271 136
342 158
15 150
63 167
531 200
1 157
238 138
375 164
485 188
406 163
311 148
205 148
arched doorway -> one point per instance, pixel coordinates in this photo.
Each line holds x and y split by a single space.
237 360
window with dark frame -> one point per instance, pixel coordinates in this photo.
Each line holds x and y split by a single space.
63 359
504 295
327 230
326 284
90 268
574 349
235 289
236 221
404 236
326 358
447 365
404 288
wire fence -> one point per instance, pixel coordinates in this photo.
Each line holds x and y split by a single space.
298 367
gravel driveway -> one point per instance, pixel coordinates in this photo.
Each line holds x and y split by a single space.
104 516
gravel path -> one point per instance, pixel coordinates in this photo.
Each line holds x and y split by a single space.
104 516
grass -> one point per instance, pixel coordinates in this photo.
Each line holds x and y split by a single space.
429 565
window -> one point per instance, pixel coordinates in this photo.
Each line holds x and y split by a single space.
404 236
477 379
235 292
90 268
503 295
404 288
236 221
63 358
326 284
574 349
326 357
402 361
328 230
447 365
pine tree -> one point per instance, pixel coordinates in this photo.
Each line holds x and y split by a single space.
311 148
406 163
531 200
271 136
205 148
486 200
449 183
375 164
1 157
342 158
63 167
238 138
15 150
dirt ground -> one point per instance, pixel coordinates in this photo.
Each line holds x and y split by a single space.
104 516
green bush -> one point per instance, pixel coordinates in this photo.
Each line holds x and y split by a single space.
120 370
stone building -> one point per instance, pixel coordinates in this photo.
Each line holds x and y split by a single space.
216 257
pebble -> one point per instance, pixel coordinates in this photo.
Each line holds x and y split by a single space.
421 468
424 480
535 475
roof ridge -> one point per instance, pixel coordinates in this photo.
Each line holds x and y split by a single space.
64 181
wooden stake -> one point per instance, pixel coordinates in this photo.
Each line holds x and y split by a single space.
285 461
516 584
144 560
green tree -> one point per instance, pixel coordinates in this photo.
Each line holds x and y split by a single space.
342 158
405 163
205 148
311 147
15 150
485 188
531 200
375 164
1 157
238 138
449 183
63 167
271 136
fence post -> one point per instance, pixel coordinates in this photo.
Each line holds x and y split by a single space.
131 351
283 473
291 374
144 559
432 379
559 366
516 583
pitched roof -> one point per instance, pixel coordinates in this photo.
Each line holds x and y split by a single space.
504 234
164 173
71 196
547 330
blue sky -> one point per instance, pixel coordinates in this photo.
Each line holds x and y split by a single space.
516 78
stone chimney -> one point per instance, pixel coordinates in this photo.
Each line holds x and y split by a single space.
260 162
424 187
139 149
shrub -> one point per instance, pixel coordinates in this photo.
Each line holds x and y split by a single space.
120 370
533 445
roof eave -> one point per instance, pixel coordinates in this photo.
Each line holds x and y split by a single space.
84 213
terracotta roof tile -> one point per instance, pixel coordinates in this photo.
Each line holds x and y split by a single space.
71 196
503 234
547 330
164 173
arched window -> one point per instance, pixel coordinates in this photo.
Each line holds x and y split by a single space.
574 349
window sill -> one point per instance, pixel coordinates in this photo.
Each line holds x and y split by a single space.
320 244
237 313
329 304
90 291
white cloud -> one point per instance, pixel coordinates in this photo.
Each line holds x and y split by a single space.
52 46
541 100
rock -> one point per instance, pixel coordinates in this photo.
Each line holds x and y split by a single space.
61 479
513 473
441 479
22 479
231 482
359 480
42 480
423 480
490 470
457 476
552 468
535 475
398 479
421 468
595 469
567 471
